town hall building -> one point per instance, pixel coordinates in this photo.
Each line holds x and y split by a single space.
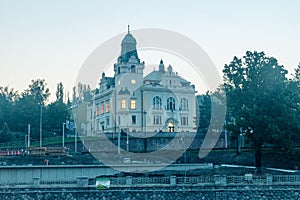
161 101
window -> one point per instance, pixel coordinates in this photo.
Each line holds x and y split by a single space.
102 108
184 121
107 107
170 103
133 104
107 122
123 104
97 110
98 124
132 69
157 102
133 119
184 104
156 119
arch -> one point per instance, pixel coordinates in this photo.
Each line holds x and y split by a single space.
171 127
157 102
184 104
171 103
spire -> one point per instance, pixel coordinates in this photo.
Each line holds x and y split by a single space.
161 66
128 47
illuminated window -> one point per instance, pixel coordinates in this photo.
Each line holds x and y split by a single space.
133 104
123 104
97 110
107 107
102 108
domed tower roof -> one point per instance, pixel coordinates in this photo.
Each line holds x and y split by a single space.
128 48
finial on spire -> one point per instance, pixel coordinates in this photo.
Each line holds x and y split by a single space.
128 29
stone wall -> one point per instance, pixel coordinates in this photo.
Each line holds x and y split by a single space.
136 193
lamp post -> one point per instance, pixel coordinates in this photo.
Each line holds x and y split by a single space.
63 135
41 125
184 155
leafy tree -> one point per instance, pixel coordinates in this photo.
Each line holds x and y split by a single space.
30 106
260 101
38 89
5 133
7 99
60 92
204 112
56 114
297 73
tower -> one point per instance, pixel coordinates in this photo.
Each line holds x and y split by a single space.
128 70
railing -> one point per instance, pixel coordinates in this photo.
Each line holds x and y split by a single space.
216 180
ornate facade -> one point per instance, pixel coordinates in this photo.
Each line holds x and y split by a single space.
162 101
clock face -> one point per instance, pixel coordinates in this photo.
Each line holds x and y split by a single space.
133 81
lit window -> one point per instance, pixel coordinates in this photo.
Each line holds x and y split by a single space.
133 104
107 107
123 104
102 108
97 110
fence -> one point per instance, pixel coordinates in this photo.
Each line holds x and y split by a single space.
217 180
210 180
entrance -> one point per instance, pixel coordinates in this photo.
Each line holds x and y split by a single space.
171 127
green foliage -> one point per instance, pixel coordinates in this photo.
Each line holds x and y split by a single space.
60 92
260 101
19 111
38 90
56 114
5 133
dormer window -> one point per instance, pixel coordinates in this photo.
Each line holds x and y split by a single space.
133 69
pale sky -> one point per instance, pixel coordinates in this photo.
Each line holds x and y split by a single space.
52 39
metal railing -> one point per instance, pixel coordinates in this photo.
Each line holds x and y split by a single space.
173 180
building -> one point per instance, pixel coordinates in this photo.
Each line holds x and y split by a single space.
162 101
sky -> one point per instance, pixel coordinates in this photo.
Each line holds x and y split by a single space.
52 39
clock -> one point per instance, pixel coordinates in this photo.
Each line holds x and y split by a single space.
133 81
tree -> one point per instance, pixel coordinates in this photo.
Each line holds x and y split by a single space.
260 101
5 133
7 100
60 92
297 73
30 105
56 114
38 89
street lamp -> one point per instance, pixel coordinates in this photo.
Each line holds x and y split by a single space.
184 155
41 125
63 135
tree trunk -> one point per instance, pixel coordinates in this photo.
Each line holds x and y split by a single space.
258 158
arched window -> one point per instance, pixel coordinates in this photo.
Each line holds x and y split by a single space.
157 102
184 104
170 103
132 69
